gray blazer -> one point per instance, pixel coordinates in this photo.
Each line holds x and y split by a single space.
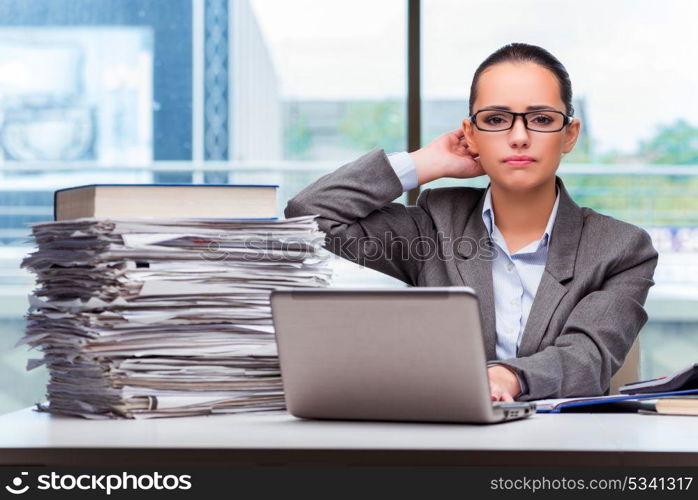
588 308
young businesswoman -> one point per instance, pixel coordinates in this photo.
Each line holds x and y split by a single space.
561 288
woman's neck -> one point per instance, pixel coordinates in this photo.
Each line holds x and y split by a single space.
521 216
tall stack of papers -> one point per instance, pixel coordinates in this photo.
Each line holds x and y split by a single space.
143 318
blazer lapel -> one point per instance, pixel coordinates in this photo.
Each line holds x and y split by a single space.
475 269
559 267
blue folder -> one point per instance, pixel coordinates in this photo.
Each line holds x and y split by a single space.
595 404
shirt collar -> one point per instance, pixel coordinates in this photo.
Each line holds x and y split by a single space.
488 216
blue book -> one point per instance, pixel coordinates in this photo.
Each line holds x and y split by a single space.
621 402
200 201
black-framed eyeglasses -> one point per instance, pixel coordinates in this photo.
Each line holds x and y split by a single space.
498 120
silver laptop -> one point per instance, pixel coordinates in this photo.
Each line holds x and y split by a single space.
407 354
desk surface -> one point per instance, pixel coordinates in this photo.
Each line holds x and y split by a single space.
32 438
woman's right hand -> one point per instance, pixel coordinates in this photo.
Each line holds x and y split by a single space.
446 156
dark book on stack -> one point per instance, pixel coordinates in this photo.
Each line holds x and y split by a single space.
166 200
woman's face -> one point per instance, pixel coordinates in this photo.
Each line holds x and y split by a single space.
515 86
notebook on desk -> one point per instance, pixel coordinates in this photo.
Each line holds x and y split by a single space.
606 404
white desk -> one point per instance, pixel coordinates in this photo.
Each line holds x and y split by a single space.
31 438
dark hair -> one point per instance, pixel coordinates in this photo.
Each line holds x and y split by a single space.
523 52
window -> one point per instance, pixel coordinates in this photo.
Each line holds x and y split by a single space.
340 82
204 91
88 96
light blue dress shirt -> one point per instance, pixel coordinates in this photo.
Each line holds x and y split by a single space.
515 277
405 169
